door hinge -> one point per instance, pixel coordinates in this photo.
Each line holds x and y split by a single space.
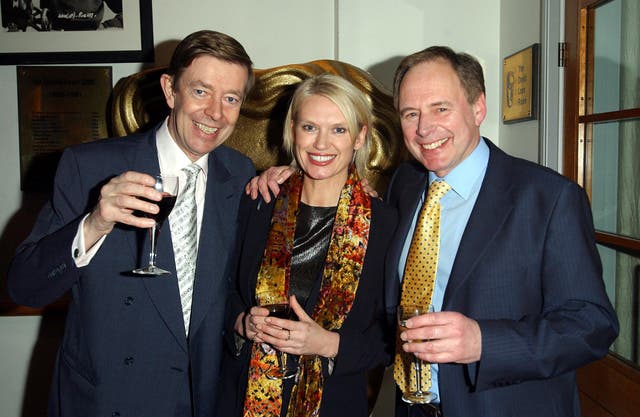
562 54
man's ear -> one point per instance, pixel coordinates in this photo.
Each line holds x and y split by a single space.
166 82
480 109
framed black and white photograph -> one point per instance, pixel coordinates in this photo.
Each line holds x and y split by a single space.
75 31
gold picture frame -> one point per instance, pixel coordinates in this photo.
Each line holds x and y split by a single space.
520 85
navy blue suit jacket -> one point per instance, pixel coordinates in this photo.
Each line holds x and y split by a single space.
527 270
124 350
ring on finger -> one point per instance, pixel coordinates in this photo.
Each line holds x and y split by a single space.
288 334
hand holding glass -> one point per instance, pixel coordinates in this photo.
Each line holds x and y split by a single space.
278 306
416 396
168 186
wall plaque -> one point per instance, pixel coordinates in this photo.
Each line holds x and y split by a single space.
58 107
520 85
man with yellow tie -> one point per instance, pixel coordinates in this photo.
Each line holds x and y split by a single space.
517 282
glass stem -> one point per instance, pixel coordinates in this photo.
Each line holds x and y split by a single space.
153 235
283 365
418 366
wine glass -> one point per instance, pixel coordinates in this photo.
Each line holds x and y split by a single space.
416 396
278 305
168 186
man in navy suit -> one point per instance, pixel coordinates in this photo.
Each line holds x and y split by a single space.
519 297
126 350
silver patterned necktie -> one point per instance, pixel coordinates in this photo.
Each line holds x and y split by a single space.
183 220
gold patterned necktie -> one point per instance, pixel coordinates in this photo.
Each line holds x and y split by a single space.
419 279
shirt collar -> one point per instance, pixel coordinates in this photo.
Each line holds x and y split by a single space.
472 167
171 158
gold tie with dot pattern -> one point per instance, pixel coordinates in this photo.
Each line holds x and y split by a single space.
419 279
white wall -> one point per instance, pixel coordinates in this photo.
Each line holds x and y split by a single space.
372 35
519 28
377 38
19 335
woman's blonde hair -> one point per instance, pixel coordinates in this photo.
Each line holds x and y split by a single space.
352 103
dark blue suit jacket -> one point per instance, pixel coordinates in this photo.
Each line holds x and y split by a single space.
528 271
124 350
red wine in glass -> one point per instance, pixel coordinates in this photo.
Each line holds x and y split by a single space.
279 310
165 205
277 303
168 186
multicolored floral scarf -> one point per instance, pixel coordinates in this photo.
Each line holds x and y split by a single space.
340 278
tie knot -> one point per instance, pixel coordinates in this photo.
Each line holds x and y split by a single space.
437 189
191 171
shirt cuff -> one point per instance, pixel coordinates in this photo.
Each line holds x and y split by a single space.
80 255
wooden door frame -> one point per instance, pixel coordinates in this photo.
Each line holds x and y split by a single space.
609 387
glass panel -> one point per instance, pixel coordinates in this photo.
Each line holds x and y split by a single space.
616 71
615 184
622 279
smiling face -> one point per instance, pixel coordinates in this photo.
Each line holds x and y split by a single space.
439 125
323 144
205 104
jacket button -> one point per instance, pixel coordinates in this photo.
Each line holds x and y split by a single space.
128 361
128 301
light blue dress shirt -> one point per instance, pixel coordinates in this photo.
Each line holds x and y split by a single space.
456 206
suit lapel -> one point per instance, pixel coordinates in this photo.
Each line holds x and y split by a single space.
492 208
216 241
163 290
411 190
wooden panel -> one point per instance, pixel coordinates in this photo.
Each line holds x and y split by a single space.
611 116
571 90
609 387
591 3
590 408
620 243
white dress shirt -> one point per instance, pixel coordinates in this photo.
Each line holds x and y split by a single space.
456 207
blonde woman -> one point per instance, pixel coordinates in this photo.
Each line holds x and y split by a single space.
321 242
